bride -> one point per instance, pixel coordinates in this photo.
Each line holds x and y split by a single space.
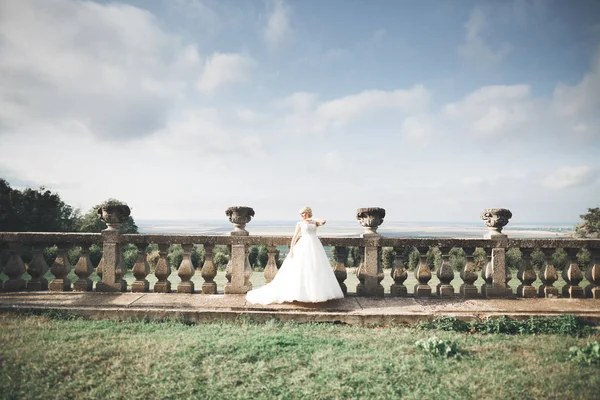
305 275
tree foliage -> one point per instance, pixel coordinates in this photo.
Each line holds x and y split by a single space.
590 227
34 210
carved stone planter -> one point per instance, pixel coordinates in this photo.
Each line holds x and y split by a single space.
239 216
495 219
113 215
370 218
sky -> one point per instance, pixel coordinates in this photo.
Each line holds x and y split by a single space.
433 110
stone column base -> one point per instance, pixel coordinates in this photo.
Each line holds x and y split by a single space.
468 291
185 287
230 289
398 291
444 290
592 291
13 285
162 287
573 292
60 285
548 292
493 292
83 285
140 286
209 288
120 286
526 292
37 285
422 290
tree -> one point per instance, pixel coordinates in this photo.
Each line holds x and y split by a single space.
590 227
91 223
34 211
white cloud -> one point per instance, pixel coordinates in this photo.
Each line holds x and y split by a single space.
278 23
475 48
419 129
224 68
571 176
108 67
333 161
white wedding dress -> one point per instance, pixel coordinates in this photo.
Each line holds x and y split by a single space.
306 277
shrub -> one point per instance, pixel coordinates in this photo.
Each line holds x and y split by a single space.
590 354
438 347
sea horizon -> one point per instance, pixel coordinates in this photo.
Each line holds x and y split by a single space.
348 228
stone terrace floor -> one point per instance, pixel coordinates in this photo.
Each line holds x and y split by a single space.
363 311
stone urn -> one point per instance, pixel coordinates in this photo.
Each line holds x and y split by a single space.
113 215
495 219
239 216
370 218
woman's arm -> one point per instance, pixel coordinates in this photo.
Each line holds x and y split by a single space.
320 222
294 239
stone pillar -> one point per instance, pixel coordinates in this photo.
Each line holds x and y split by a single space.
140 270
162 270
498 275
83 270
240 271
271 268
239 216
373 271
399 275
14 268
573 276
340 253
186 270
548 276
469 276
111 266
445 274
527 276
60 269
209 271
495 219
423 275
37 268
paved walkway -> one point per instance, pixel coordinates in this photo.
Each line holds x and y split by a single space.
352 310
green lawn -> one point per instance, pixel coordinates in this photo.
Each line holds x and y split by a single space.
46 358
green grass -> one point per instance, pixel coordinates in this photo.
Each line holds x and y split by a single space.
54 357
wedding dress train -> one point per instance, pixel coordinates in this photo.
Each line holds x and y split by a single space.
306 277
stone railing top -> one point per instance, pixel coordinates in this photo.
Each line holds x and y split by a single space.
51 238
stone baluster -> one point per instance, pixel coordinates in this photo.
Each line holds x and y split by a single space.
186 270
445 274
209 271
112 268
360 273
271 268
486 272
60 269
526 275
140 270
83 270
573 276
423 275
468 275
548 276
37 268
162 270
340 254
593 276
14 268
399 275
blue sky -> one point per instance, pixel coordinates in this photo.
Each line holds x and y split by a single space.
433 110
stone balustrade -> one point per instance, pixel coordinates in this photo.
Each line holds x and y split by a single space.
370 273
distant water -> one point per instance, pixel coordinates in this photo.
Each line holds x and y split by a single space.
353 228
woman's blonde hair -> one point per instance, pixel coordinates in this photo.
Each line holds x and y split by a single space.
307 210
